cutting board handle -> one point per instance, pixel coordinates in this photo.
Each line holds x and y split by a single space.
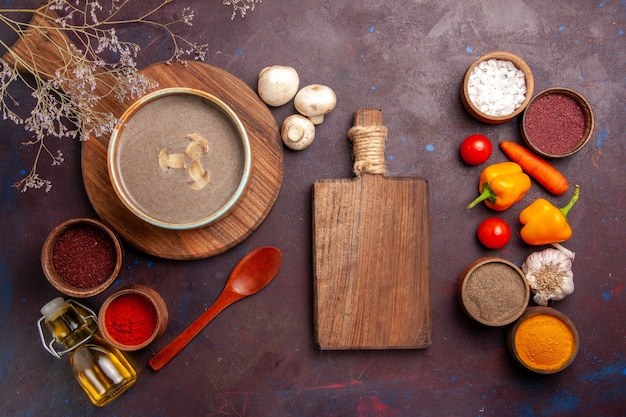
368 136
44 49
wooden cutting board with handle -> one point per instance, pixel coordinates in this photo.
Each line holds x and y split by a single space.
371 251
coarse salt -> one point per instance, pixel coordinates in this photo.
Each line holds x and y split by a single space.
496 87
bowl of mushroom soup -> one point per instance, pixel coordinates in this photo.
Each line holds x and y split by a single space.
179 159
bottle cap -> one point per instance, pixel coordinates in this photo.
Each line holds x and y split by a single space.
52 306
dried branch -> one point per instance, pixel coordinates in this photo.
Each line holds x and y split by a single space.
241 6
93 63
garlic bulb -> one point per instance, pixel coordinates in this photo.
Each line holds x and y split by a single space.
549 274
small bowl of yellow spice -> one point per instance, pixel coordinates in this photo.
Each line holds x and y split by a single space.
543 340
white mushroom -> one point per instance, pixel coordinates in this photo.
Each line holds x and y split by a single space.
171 160
197 147
278 84
297 132
200 177
315 101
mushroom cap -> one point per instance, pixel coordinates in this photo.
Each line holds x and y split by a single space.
315 100
278 84
297 132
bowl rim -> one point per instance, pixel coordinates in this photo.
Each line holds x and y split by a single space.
156 301
115 176
48 267
465 278
586 109
542 310
506 56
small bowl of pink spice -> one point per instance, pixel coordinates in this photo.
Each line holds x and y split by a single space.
558 122
133 317
81 257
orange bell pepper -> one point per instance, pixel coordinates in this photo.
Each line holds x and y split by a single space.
546 224
501 185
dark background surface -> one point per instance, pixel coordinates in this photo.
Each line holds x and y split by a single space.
258 357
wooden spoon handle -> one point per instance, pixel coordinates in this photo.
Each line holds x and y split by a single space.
166 354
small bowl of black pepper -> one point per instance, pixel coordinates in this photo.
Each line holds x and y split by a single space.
81 257
493 291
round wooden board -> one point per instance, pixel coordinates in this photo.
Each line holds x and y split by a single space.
258 199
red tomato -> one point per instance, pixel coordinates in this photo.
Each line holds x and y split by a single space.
494 233
476 149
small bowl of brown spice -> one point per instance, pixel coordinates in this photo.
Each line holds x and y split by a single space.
558 122
493 291
81 257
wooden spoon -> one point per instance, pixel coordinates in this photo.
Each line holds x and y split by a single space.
253 272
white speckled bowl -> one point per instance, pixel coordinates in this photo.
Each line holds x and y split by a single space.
162 120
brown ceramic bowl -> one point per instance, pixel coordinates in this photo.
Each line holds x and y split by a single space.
538 354
493 291
77 270
128 312
563 148
473 110
160 126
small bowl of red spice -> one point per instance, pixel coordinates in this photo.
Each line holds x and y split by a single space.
133 317
558 122
81 257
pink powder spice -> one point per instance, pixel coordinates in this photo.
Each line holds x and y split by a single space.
554 124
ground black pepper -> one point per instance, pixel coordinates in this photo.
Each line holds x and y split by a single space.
84 256
495 292
554 123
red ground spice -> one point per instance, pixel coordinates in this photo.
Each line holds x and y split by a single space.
130 319
554 124
84 256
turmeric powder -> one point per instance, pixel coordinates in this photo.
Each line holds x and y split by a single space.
545 343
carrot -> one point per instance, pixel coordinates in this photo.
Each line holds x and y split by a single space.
537 167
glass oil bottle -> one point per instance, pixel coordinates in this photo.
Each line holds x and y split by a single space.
100 369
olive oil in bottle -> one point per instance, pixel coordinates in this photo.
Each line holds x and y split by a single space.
101 369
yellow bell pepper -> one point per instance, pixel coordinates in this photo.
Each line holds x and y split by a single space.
501 185
546 224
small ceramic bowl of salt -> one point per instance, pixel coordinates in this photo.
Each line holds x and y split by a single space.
497 87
